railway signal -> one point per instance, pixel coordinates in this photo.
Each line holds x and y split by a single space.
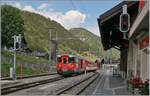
124 21
17 46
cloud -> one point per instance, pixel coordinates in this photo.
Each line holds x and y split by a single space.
18 5
69 19
43 6
73 18
30 9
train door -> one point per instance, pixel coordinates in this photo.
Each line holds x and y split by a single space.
65 60
76 62
85 65
73 60
81 63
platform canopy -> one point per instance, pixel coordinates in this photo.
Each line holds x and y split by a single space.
108 23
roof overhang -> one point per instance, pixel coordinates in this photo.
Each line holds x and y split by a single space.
141 22
109 22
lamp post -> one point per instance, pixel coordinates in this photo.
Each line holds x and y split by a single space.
49 46
14 66
51 40
56 47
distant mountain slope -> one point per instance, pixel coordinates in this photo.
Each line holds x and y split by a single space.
37 33
94 42
89 38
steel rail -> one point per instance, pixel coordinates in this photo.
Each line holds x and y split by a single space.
28 85
70 86
82 89
29 76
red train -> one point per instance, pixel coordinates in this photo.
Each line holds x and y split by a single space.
71 64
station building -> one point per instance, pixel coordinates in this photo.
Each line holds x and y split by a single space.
134 51
138 52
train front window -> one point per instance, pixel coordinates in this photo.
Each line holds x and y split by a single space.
65 60
71 60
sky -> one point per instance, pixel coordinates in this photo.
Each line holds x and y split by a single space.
69 13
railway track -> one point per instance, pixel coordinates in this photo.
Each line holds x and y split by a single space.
11 89
77 87
18 87
29 76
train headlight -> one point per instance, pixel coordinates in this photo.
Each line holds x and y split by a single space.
59 66
77 65
72 66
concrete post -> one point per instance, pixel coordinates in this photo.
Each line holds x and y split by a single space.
11 72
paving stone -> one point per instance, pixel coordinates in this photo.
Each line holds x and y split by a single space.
109 85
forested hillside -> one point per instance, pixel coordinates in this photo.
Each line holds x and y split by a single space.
39 30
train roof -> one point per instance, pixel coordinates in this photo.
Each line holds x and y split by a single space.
70 55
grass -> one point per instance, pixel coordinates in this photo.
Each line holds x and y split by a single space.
27 70
25 58
5 70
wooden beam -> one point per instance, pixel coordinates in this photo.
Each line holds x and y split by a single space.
118 48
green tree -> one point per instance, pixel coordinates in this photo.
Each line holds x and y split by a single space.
12 24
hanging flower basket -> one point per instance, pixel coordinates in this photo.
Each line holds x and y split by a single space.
134 84
144 88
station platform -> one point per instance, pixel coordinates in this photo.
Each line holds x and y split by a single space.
9 82
108 84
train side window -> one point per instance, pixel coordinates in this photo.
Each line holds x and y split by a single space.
76 60
81 62
73 60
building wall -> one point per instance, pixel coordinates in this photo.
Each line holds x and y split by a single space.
138 59
144 67
138 53
144 59
132 59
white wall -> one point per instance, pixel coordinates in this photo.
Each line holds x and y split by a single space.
144 64
132 55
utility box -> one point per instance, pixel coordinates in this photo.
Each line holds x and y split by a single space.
11 72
